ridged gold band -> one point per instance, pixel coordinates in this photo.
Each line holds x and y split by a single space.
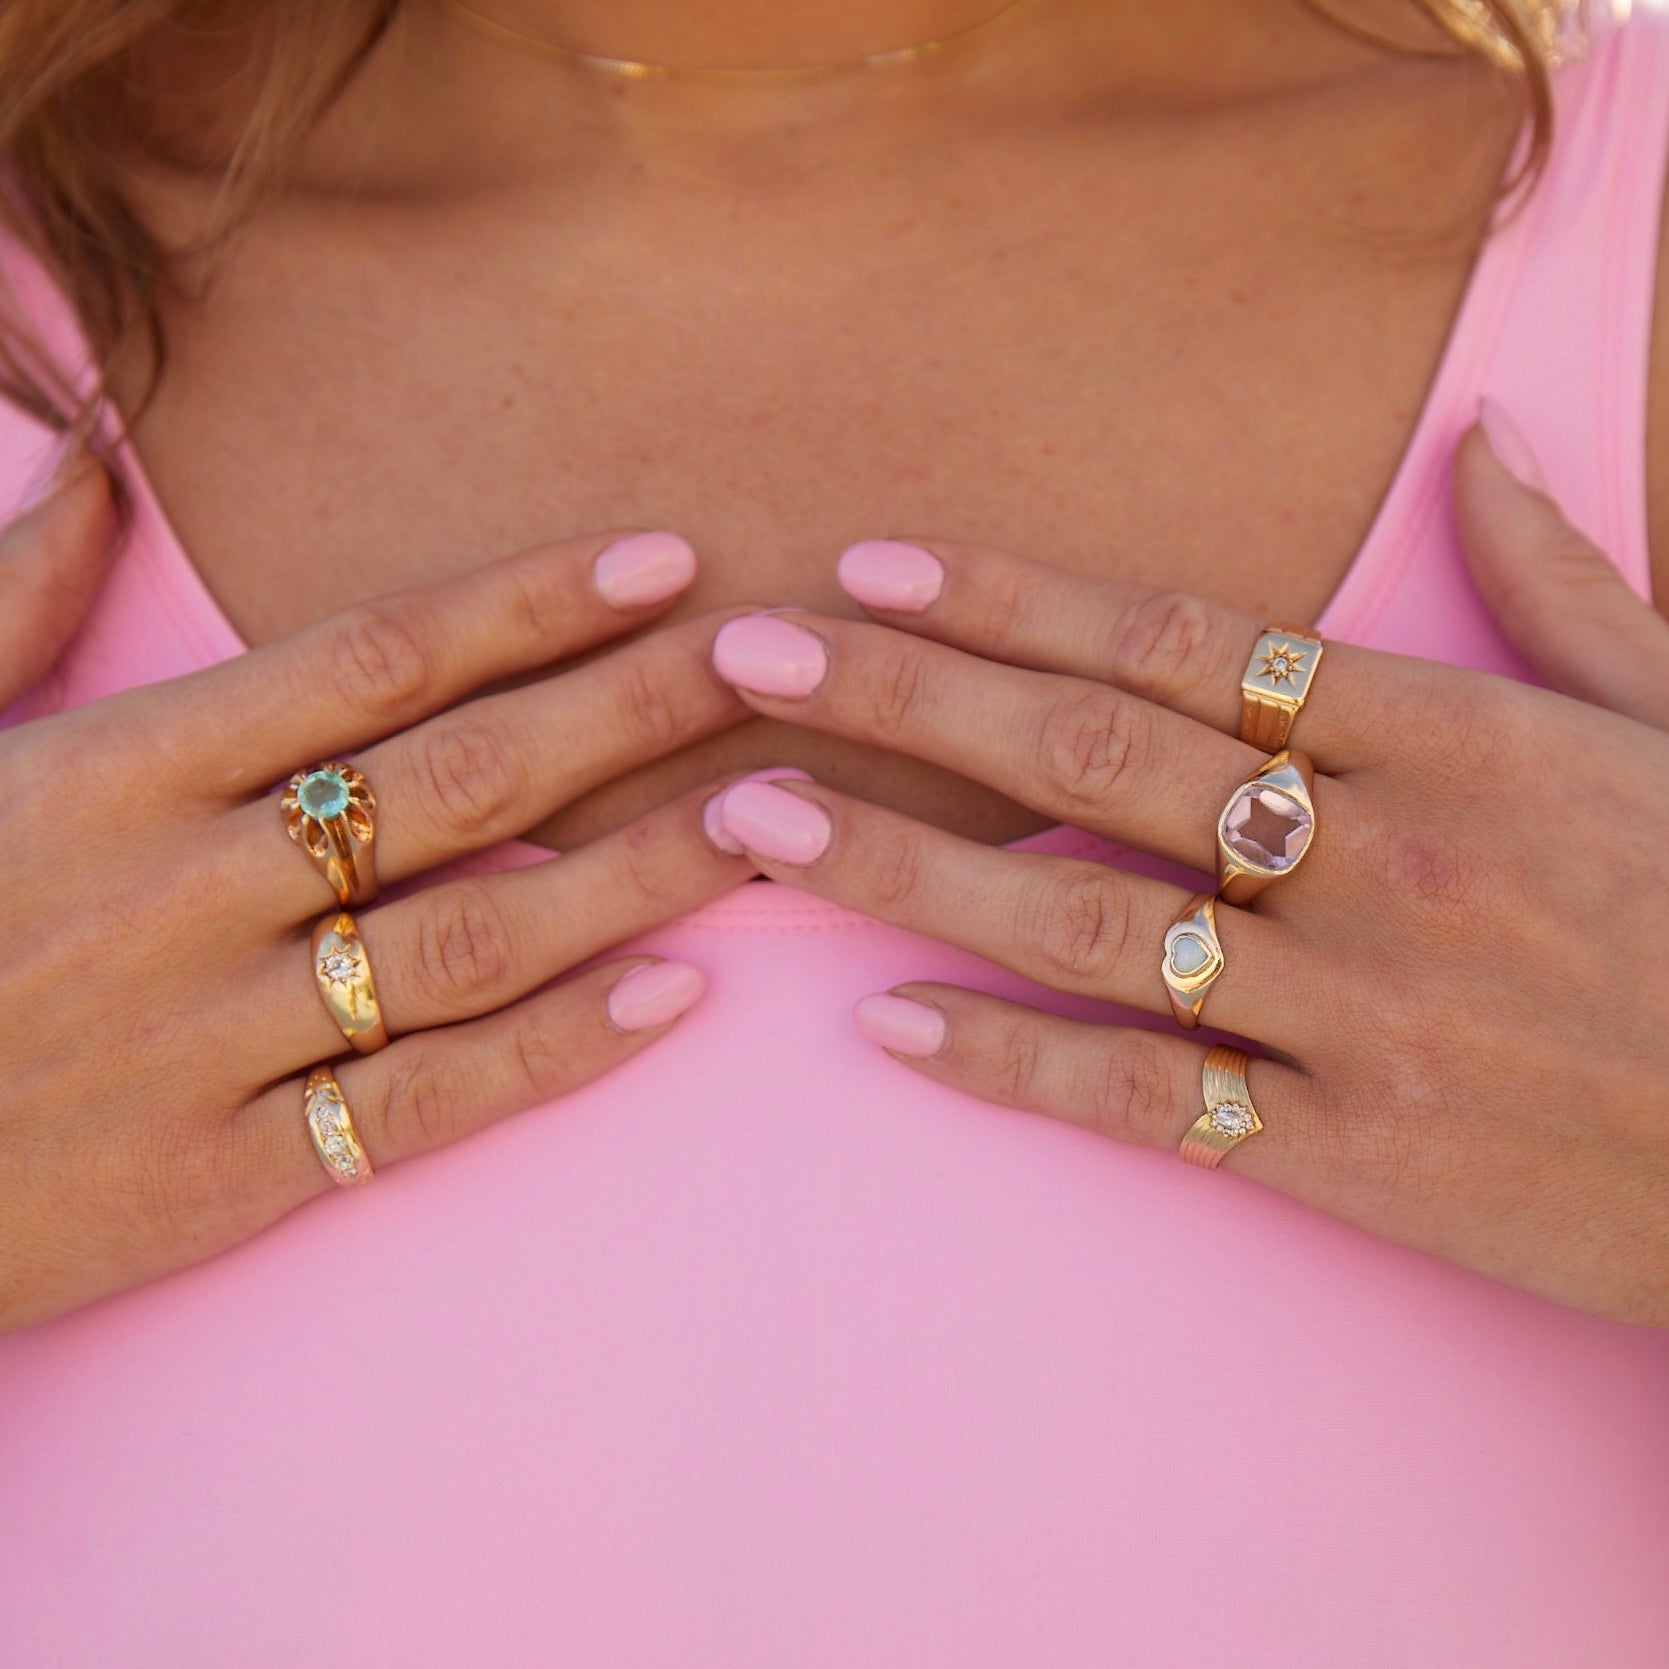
1275 684
331 1126
342 972
1229 1116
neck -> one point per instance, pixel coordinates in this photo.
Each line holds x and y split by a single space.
739 34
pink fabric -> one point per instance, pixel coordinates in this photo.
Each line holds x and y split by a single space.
764 1351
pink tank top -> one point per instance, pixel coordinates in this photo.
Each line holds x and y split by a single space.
765 1352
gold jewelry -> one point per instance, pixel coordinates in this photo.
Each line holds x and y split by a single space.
1555 30
331 1126
329 812
1275 684
1193 958
342 971
1229 1116
635 70
1266 827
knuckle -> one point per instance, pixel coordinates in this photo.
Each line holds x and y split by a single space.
1129 1097
897 689
1081 928
1007 597
469 778
538 602
1161 645
463 953
1089 744
895 872
545 1060
1016 1057
648 707
380 660
421 1106
650 870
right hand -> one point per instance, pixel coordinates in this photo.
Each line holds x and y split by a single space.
159 1004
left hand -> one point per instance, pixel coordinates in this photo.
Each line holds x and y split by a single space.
1462 991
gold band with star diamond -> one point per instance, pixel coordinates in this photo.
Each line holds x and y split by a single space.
1275 683
342 971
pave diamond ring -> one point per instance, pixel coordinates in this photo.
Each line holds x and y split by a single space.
331 1127
1229 1116
342 971
329 812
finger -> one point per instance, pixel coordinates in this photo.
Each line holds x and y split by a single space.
432 1089
1559 598
1068 924
53 557
1181 651
466 947
1085 752
495 767
376 668
1135 1086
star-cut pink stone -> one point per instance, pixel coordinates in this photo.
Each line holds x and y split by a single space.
1266 828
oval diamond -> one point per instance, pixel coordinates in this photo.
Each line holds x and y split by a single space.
1229 1118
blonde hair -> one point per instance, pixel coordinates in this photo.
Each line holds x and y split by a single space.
69 111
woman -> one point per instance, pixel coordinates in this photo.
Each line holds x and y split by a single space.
1125 326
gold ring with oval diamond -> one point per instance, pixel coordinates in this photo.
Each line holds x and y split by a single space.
1267 827
1229 1116
1193 958
342 971
331 1127
330 813
1275 684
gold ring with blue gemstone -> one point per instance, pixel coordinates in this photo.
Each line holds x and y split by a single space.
330 813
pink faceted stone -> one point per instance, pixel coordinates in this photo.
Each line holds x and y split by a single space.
1266 828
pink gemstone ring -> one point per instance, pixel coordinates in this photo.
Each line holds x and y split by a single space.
1266 828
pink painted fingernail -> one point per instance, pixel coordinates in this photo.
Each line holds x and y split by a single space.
712 822
901 1024
769 655
643 568
775 823
653 993
1507 442
888 574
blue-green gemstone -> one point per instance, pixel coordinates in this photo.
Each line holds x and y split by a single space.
322 794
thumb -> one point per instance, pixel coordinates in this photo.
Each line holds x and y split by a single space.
1558 597
52 557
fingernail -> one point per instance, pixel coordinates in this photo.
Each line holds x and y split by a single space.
61 464
769 655
643 568
775 823
1507 442
654 993
712 823
901 1024
888 574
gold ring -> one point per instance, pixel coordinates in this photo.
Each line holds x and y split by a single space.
331 1126
1266 827
342 971
1193 958
1273 686
1229 1116
329 812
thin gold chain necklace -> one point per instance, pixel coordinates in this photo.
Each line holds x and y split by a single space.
635 70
